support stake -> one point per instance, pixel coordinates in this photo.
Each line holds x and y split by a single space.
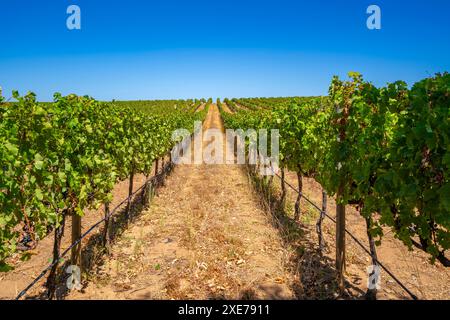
321 218
340 239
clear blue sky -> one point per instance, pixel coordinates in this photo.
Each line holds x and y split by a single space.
194 48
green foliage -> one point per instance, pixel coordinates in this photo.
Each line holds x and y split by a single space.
64 157
414 188
386 149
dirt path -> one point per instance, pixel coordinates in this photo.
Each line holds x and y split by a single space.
201 107
203 237
226 108
240 107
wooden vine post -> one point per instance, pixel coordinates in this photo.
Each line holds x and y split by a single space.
269 187
340 239
299 196
371 293
51 280
321 218
130 193
106 230
75 257
283 185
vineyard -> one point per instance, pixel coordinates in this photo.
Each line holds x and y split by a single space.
367 163
62 158
385 150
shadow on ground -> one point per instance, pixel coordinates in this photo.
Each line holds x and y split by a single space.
315 272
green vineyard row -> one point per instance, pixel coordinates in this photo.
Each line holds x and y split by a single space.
60 158
386 150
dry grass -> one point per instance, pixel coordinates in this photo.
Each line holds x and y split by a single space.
208 238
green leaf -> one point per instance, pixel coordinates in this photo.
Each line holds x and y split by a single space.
39 164
444 193
38 194
4 267
12 148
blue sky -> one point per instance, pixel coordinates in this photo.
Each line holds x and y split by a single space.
180 49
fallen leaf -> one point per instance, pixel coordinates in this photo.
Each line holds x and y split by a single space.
279 280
